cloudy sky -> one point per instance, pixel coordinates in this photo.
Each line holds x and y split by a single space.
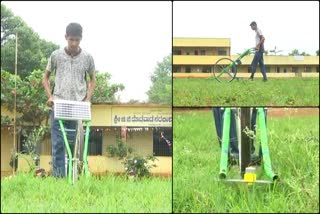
126 39
286 25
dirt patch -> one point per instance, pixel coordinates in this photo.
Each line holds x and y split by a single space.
6 173
182 109
272 112
285 112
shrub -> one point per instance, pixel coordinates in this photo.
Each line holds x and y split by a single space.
121 149
135 165
138 166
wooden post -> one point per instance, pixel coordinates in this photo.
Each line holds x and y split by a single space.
15 106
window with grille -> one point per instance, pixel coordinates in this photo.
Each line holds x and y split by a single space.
23 141
177 52
176 69
206 69
222 52
162 143
95 141
26 147
308 68
267 69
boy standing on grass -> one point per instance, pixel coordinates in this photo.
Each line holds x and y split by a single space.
258 56
70 67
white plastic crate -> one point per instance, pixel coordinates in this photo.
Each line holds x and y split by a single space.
72 110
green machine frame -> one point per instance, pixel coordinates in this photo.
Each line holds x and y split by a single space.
244 146
228 66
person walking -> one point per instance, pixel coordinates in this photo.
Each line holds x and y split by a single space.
258 56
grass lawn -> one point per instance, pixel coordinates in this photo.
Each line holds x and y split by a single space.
115 194
275 92
294 151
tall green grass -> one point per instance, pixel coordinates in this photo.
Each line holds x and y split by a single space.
294 151
112 194
275 92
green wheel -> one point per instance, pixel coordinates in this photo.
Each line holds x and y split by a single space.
225 70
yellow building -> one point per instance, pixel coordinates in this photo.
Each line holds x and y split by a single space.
137 124
198 51
188 62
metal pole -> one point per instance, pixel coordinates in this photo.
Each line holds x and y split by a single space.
68 151
15 105
225 143
264 145
245 140
85 152
238 125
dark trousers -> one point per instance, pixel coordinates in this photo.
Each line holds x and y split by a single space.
258 58
58 145
218 119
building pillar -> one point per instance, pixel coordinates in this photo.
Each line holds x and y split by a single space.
124 133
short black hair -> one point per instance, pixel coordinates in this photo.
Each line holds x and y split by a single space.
253 23
74 29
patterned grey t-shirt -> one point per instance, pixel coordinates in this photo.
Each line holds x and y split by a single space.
70 83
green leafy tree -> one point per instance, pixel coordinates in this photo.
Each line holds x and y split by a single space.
9 23
296 52
33 52
317 52
34 138
161 88
31 99
105 92
133 101
120 150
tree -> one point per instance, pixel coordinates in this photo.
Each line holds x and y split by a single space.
31 103
317 52
132 101
9 23
296 52
161 88
33 52
31 99
104 91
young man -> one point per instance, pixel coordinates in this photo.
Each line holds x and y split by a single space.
258 56
70 67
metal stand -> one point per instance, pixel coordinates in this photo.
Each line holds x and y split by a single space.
247 172
75 111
